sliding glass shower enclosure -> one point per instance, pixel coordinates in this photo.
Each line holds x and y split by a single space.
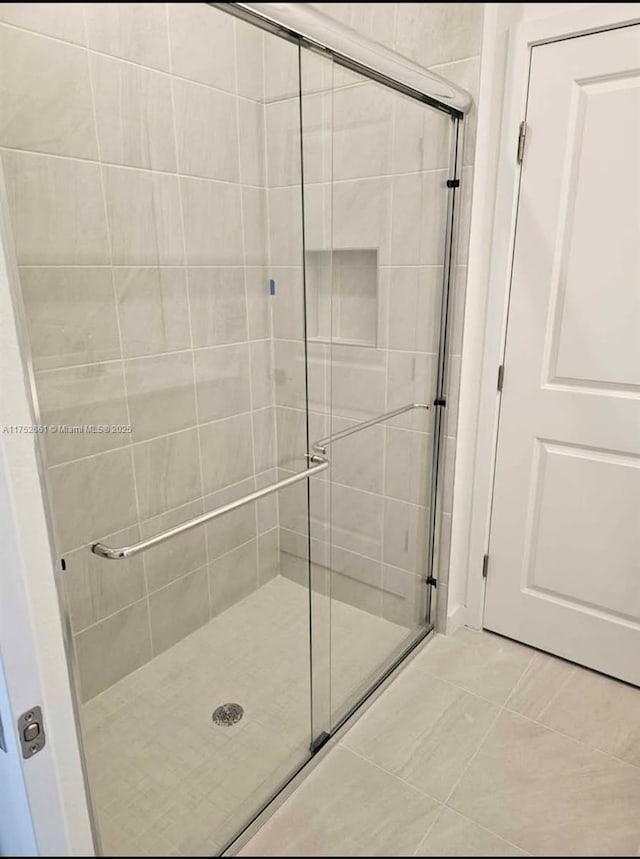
232 230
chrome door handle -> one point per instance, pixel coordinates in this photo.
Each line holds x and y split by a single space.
122 552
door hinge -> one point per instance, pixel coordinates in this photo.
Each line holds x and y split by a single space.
500 377
431 582
485 566
522 139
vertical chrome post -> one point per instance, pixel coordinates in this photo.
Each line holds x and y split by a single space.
440 401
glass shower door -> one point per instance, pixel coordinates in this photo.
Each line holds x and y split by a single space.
375 169
156 213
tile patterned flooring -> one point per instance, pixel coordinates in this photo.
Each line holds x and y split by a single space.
165 780
480 747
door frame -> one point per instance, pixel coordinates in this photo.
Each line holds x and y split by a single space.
506 58
33 634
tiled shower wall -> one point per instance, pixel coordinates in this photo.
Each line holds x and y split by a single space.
375 166
132 152
446 38
148 179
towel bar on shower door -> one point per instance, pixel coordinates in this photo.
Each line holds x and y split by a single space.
121 553
319 463
320 447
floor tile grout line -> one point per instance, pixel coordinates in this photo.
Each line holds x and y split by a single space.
538 720
553 698
494 721
378 766
430 829
457 686
488 830
574 740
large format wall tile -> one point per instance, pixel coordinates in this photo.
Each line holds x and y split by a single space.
113 648
218 306
133 31
153 308
404 597
71 316
405 536
144 217
357 382
134 114
235 528
167 472
45 96
408 466
264 439
291 432
223 383
414 297
418 224
227 452
233 576
207 131
97 588
421 138
263 374
268 556
92 497
161 394
178 609
358 460
411 378
439 32
252 155
355 580
254 226
212 222
92 394
288 303
258 302
356 521
282 132
179 555
362 131
285 225
202 44
62 20
361 210
249 59
57 211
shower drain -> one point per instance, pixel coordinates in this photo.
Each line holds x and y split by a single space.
227 714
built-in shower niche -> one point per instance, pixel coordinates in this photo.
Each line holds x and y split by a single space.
342 296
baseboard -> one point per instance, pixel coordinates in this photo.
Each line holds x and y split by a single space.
456 617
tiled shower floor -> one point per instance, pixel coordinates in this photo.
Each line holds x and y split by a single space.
480 747
166 780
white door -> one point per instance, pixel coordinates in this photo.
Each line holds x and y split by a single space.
564 555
